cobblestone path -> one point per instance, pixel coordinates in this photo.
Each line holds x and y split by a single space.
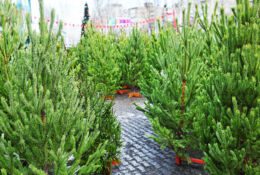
140 154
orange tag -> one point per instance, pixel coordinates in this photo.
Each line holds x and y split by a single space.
116 163
134 94
123 91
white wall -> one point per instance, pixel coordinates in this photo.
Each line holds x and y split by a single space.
68 11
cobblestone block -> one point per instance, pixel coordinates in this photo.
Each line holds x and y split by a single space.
130 168
134 163
141 168
145 164
138 159
140 154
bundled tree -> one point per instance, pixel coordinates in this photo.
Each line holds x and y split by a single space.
99 56
45 126
173 86
229 124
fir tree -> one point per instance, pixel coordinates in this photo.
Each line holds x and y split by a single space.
160 45
109 127
94 50
11 38
228 127
44 127
173 86
85 20
134 58
99 58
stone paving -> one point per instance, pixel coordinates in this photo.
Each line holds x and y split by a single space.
140 154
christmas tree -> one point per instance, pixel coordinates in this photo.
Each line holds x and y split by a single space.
159 45
228 127
44 126
86 18
133 57
173 86
11 39
109 127
99 58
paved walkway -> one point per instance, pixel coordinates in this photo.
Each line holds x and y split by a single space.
140 154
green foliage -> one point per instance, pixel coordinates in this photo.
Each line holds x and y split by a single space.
99 59
208 93
11 38
109 127
228 127
111 60
173 86
46 125
133 57
201 84
160 44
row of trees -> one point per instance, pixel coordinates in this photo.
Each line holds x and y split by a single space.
201 83
112 60
204 89
52 121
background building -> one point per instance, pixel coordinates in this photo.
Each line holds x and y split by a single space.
114 13
109 13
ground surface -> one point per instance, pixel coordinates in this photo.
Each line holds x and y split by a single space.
140 154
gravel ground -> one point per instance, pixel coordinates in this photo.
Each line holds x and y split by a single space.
140 154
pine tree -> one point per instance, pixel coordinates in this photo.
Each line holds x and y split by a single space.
228 127
86 19
134 58
109 127
159 45
99 58
91 51
44 127
173 86
11 38
122 43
